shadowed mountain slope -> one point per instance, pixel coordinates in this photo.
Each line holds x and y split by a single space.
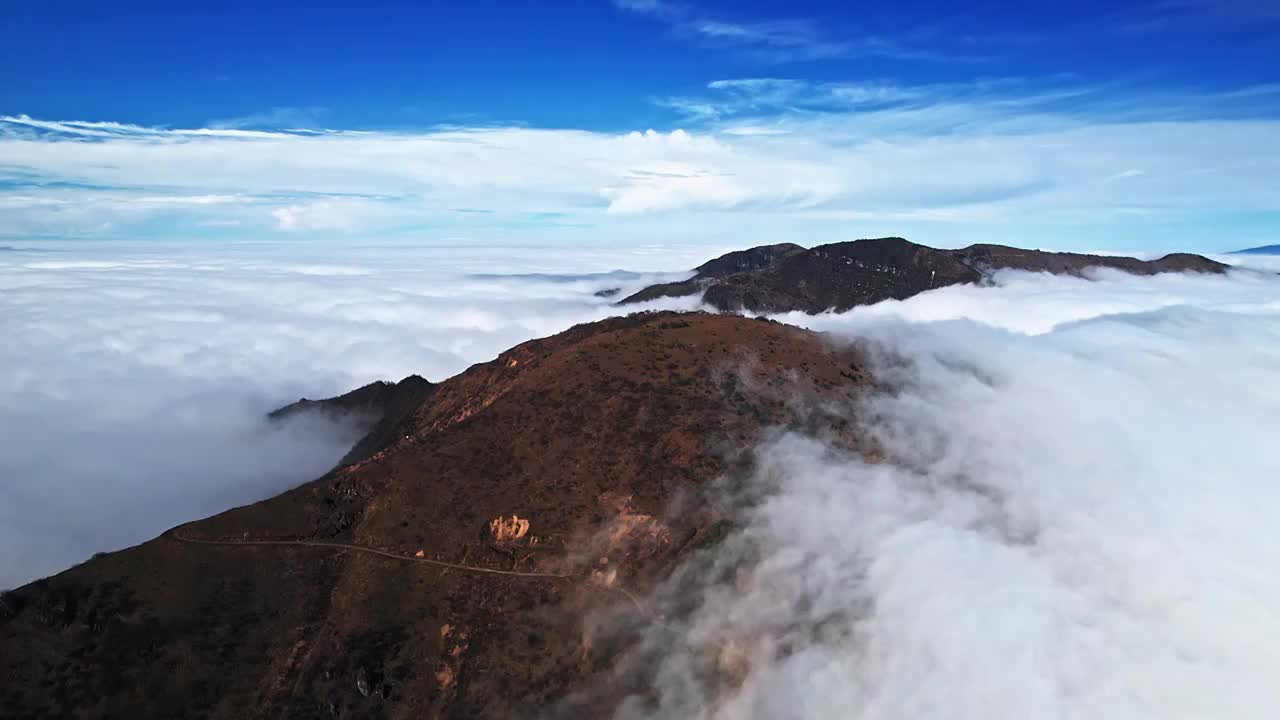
1001 257
446 572
862 272
756 258
378 409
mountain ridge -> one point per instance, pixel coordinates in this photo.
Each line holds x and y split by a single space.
448 572
839 276
377 410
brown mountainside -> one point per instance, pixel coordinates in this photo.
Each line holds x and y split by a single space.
446 571
862 272
739 261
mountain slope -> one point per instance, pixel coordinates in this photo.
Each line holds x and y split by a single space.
378 410
756 258
1001 257
862 272
841 276
447 572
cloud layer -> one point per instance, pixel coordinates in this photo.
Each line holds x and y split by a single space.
1072 518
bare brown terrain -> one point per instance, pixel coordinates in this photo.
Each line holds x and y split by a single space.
446 568
786 278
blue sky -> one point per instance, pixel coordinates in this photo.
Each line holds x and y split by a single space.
1139 126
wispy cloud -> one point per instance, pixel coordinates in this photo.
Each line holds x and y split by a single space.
277 118
763 159
778 40
1193 16
97 129
1006 103
784 40
764 96
1244 10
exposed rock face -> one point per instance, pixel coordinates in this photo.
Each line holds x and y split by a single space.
842 275
509 502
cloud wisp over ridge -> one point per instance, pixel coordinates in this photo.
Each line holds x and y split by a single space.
1070 523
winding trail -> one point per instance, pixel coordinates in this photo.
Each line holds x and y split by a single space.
174 534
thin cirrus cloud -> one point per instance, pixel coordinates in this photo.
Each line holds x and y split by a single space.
276 117
787 40
760 158
1169 16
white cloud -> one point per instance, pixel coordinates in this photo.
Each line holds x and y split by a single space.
786 40
94 129
772 159
1264 263
1075 523
318 215
778 40
1035 304
275 118
134 379
184 199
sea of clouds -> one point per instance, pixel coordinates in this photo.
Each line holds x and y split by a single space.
1075 515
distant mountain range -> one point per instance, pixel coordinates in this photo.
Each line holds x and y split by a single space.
787 277
1262 250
